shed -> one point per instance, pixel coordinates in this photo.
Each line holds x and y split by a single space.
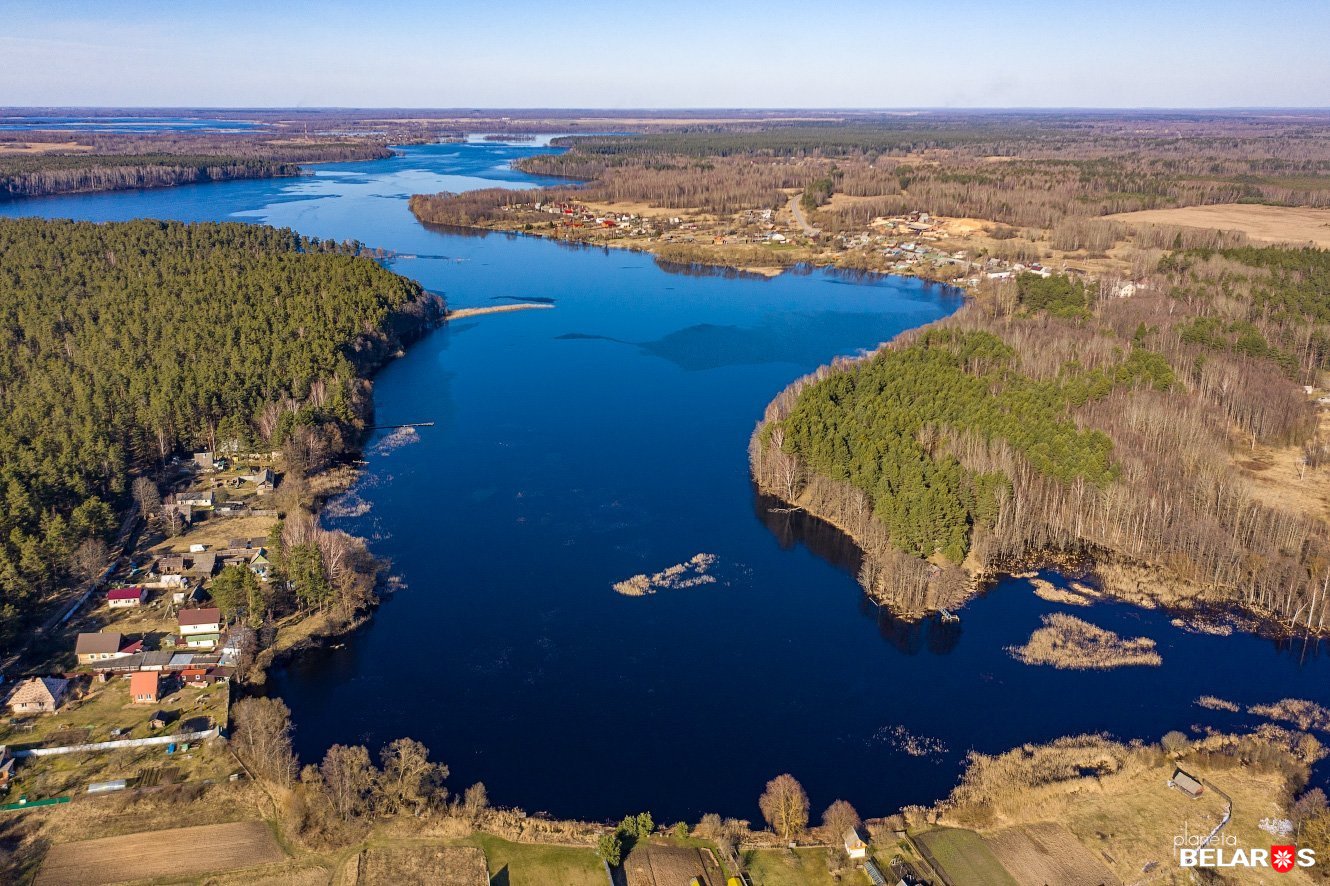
1186 783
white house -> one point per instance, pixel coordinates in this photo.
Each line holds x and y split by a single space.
200 621
200 628
855 847
126 598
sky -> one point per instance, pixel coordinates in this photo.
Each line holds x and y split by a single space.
681 54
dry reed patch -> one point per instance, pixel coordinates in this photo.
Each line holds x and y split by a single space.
1268 224
1077 595
1300 712
1213 703
689 574
1043 853
1069 643
181 852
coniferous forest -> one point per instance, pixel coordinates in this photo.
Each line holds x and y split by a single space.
1050 418
125 343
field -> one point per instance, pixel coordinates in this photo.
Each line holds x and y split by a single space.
963 857
780 867
1047 853
653 865
178 853
441 865
530 864
1266 224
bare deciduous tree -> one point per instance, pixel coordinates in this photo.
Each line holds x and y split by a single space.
262 737
784 805
348 779
838 818
410 782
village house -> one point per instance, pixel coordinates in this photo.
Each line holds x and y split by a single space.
200 628
38 695
202 565
171 564
99 647
203 461
855 846
145 687
260 565
197 498
126 598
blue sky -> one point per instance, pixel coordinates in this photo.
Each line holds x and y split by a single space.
636 53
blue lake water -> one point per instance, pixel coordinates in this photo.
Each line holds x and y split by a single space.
579 445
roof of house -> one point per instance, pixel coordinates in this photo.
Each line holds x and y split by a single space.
853 839
204 563
198 495
125 593
156 659
209 616
90 644
237 543
143 683
39 690
1187 782
181 659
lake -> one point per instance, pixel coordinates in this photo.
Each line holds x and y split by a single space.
579 445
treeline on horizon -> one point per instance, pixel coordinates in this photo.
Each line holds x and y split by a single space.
1049 417
125 343
120 162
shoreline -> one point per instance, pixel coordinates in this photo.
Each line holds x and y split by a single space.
707 256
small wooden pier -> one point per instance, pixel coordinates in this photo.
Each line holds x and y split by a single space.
410 424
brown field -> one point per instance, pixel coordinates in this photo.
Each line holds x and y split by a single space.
42 147
1267 224
1047 853
1276 476
441 865
175 853
652 865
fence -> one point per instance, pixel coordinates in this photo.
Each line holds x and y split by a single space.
120 743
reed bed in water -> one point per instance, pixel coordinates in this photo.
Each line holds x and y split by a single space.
1068 642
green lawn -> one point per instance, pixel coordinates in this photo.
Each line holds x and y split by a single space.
527 864
963 856
805 867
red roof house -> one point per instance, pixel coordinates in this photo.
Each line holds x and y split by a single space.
122 598
145 687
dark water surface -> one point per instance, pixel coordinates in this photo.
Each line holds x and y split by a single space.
579 445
